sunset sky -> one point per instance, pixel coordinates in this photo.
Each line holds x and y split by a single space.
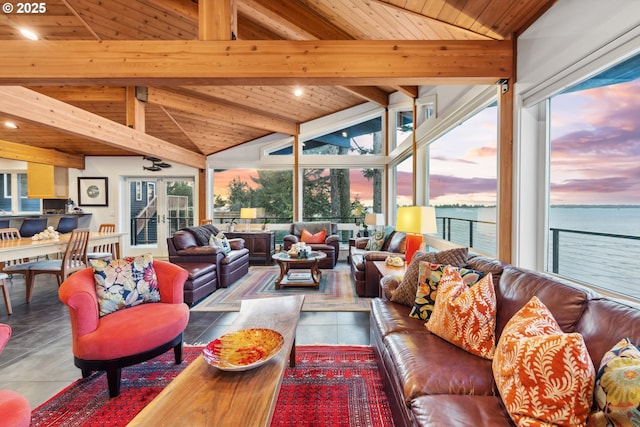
595 156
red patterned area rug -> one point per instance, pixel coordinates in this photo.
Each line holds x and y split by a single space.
333 386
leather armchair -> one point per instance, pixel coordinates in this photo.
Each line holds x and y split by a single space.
191 245
127 336
14 407
331 245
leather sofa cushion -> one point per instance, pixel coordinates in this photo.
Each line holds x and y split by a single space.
234 256
183 240
388 317
517 286
459 410
426 364
197 269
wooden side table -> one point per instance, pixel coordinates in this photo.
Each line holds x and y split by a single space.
261 244
385 269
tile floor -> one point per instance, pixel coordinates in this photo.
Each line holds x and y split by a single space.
38 363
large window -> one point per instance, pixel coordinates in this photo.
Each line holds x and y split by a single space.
463 181
594 188
361 139
269 190
403 173
16 202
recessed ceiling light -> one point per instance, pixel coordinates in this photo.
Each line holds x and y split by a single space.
344 134
11 125
29 34
297 91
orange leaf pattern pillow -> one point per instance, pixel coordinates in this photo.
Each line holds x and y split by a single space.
318 237
464 316
545 377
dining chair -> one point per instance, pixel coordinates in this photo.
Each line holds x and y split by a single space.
32 226
104 251
7 266
206 221
74 259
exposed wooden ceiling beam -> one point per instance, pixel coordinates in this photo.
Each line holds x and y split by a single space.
14 151
83 93
24 104
370 93
228 113
410 91
270 62
217 20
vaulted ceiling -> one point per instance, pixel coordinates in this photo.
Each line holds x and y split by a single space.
196 114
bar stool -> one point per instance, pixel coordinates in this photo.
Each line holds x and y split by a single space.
32 226
67 224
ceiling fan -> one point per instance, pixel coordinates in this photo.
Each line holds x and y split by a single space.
156 164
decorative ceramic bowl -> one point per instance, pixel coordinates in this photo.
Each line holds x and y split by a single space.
243 350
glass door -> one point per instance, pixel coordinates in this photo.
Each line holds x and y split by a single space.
157 207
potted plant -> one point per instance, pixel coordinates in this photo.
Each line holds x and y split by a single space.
264 224
232 225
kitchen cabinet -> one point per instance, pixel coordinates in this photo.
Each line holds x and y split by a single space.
47 181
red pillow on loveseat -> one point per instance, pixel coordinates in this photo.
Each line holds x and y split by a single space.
307 237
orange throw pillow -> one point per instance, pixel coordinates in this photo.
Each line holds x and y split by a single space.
307 237
545 376
465 316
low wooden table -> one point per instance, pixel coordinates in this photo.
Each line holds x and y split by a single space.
299 278
206 396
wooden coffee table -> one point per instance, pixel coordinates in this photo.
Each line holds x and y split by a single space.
206 396
299 278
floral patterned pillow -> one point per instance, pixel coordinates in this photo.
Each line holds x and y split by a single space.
428 281
617 390
465 316
123 283
376 241
545 376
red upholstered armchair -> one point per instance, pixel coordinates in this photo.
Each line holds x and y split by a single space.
14 408
127 336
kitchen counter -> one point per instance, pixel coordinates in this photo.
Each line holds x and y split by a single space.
15 221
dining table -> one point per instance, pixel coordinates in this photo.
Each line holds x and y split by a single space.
26 247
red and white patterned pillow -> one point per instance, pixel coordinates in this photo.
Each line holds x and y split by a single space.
465 316
545 376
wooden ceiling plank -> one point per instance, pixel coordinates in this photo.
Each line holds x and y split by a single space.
214 110
343 62
28 105
370 93
14 151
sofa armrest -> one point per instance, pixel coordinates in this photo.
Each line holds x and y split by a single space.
78 293
289 240
331 239
389 284
380 255
361 242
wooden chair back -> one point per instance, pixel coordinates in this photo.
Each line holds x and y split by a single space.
106 250
75 256
9 233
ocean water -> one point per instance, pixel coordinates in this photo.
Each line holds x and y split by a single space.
603 261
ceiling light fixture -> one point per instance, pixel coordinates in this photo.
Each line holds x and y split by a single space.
11 125
29 34
156 164
297 91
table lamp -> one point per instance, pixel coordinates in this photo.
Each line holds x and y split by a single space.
374 219
415 221
248 214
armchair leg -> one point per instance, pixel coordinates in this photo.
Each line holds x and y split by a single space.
177 351
86 373
113 380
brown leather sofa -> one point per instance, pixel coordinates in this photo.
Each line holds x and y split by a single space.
191 246
331 245
364 272
430 382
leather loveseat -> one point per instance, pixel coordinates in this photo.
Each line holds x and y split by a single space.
330 245
190 246
430 382
364 272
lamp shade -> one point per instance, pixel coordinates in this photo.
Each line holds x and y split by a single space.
374 219
417 219
248 213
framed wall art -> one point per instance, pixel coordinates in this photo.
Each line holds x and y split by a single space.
93 192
